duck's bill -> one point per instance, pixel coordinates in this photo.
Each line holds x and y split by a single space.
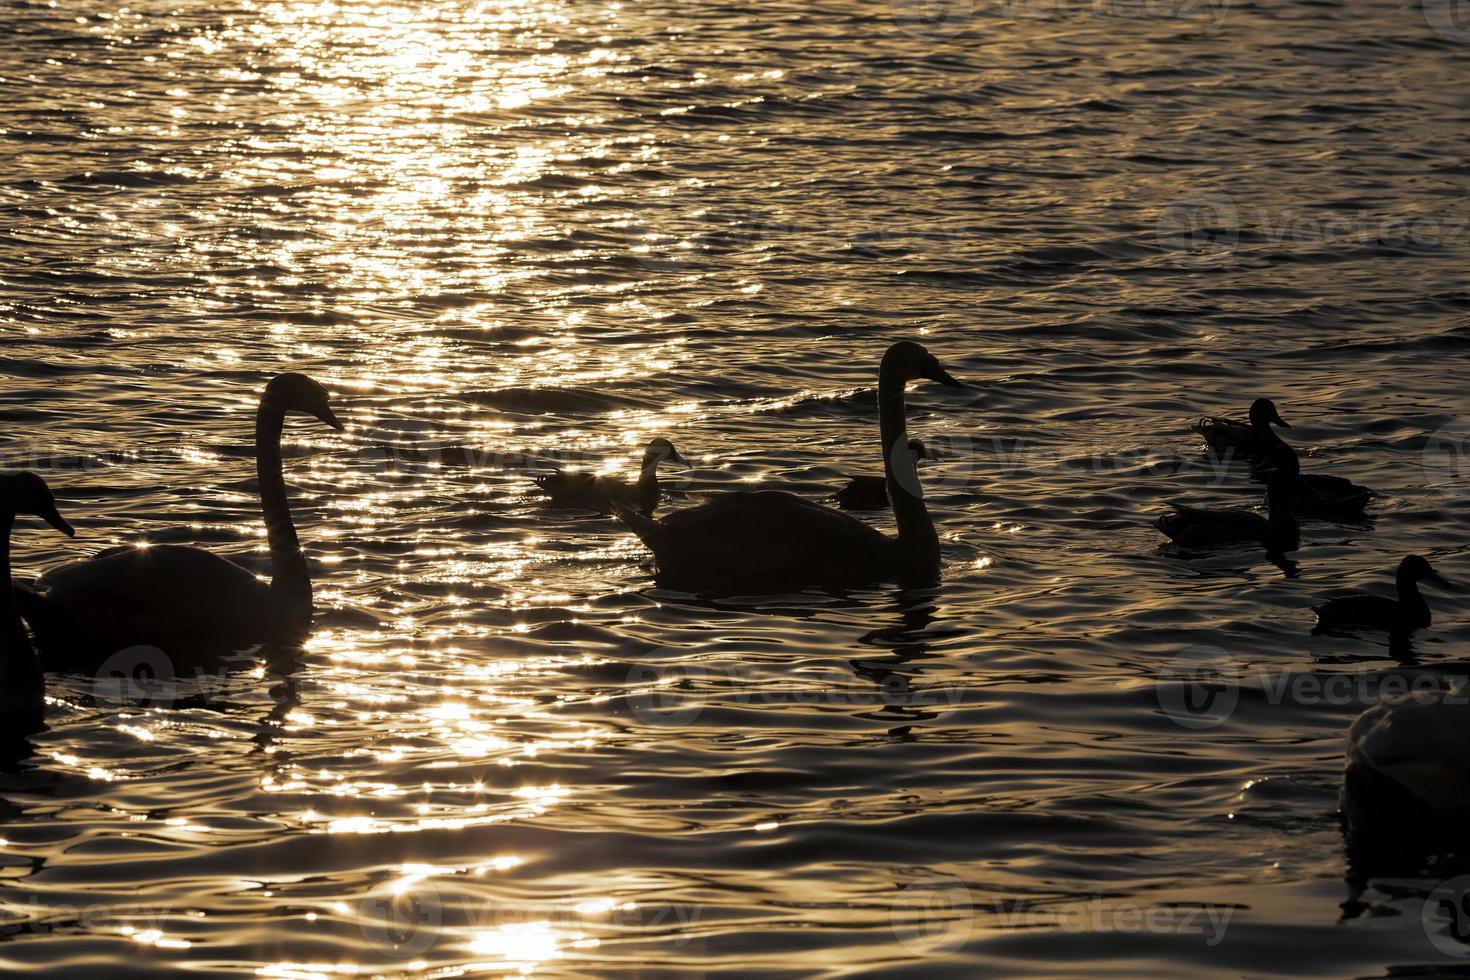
674 455
939 374
50 516
330 417
1439 580
1281 421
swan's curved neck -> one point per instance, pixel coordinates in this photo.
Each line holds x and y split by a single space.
289 578
648 476
918 543
20 672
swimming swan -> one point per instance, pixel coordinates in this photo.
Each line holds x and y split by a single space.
188 601
1407 769
597 492
22 688
763 539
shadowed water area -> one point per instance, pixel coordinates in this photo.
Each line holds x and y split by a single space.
511 236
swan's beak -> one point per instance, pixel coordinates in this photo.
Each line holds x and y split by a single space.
330 417
48 514
936 373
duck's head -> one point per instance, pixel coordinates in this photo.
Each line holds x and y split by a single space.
910 362
27 493
297 393
659 450
1416 569
1264 415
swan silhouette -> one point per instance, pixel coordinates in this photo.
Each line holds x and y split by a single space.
187 601
763 539
598 492
866 492
1250 439
1399 617
1406 769
22 688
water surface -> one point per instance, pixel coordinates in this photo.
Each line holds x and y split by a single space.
534 233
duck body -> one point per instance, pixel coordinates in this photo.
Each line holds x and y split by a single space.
1399 616
870 492
1316 495
1251 439
1199 527
192 604
599 492
764 540
1407 769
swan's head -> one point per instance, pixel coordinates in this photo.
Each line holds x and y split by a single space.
921 451
298 393
1416 569
911 362
27 493
1264 414
659 450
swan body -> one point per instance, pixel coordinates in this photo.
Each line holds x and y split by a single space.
189 602
22 687
868 492
1407 767
588 490
1399 617
1250 439
759 540
1198 527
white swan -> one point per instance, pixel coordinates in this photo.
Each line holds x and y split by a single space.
186 601
22 688
1408 766
765 539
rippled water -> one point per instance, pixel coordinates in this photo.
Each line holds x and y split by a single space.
545 232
